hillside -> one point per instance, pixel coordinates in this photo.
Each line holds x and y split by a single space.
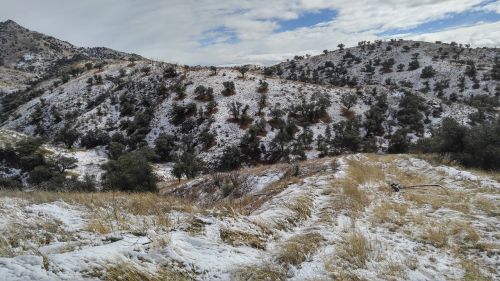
376 162
333 218
29 56
458 71
300 109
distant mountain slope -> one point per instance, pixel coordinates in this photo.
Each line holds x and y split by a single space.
458 71
27 55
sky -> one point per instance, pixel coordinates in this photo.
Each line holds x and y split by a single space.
228 32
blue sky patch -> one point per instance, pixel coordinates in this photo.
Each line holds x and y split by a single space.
307 19
219 35
451 20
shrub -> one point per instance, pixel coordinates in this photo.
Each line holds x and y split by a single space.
180 112
130 172
204 94
68 136
428 72
349 100
263 87
347 137
95 138
230 159
188 165
170 72
229 88
164 146
477 146
115 150
398 142
410 115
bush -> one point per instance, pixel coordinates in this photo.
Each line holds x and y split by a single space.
398 142
229 88
95 138
115 150
428 72
231 158
477 146
263 87
204 94
164 146
187 165
180 112
130 172
67 136
409 115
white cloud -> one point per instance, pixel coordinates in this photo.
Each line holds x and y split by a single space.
483 34
172 30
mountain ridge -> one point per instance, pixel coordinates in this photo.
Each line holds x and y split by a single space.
307 107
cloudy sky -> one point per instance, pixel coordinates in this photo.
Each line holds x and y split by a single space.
252 31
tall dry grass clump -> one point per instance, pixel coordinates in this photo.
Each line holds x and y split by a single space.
298 248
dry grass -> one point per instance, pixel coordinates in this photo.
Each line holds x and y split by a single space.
135 203
298 248
406 177
486 205
260 272
111 211
437 236
239 238
196 226
361 172
438 198
473 272
353 198
464 234
390 212
301 206
128 272
160 241
5 248
24 238
394 270
354 251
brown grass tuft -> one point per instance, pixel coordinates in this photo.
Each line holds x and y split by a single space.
239 238
298 248
260 272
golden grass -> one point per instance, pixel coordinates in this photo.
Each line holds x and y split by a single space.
361 172
135 203
354 250
358 197
438 198
390 212
394 270
436 236
22 238
260 272
298 248
353 198
486 205
464 234
128 272
5 248
473 272
239 238
110 211
301 206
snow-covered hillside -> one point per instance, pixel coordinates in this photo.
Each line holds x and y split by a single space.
350 100
334 218
459 70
